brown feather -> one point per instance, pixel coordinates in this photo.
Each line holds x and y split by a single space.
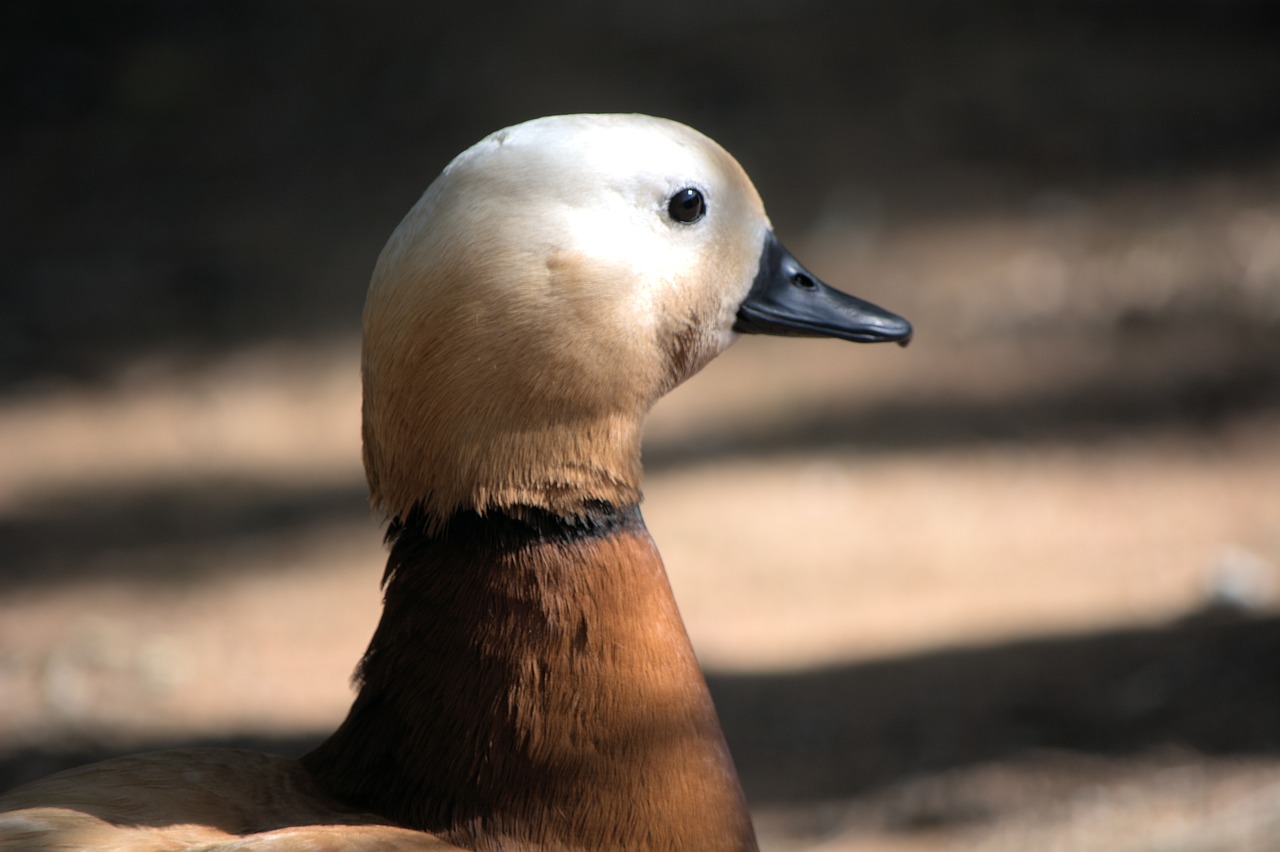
531 684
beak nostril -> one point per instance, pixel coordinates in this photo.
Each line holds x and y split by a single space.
803 281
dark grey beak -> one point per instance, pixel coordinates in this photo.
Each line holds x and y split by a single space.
789 301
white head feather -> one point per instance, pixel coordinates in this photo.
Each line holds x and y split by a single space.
537 301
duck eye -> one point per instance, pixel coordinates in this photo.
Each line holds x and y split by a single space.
687 206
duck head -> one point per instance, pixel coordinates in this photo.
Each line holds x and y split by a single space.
552 283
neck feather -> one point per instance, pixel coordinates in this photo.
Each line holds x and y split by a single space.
531 684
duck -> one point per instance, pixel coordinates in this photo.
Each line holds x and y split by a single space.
530 684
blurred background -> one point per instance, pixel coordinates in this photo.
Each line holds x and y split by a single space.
1015 587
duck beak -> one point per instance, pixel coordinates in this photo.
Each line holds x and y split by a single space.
789 301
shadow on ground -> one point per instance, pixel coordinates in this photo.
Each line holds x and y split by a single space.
1206 684
165 534
200 177
1203 685
175 531
1206 376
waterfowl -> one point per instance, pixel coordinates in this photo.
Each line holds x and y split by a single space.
530 684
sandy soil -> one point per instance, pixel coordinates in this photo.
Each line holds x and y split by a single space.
1015 587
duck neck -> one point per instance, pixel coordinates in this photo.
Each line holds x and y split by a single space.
531 684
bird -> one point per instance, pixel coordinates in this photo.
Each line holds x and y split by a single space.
530 684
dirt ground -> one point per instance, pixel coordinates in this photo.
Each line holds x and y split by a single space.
1014 587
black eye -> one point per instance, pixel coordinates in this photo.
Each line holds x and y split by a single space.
687 205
